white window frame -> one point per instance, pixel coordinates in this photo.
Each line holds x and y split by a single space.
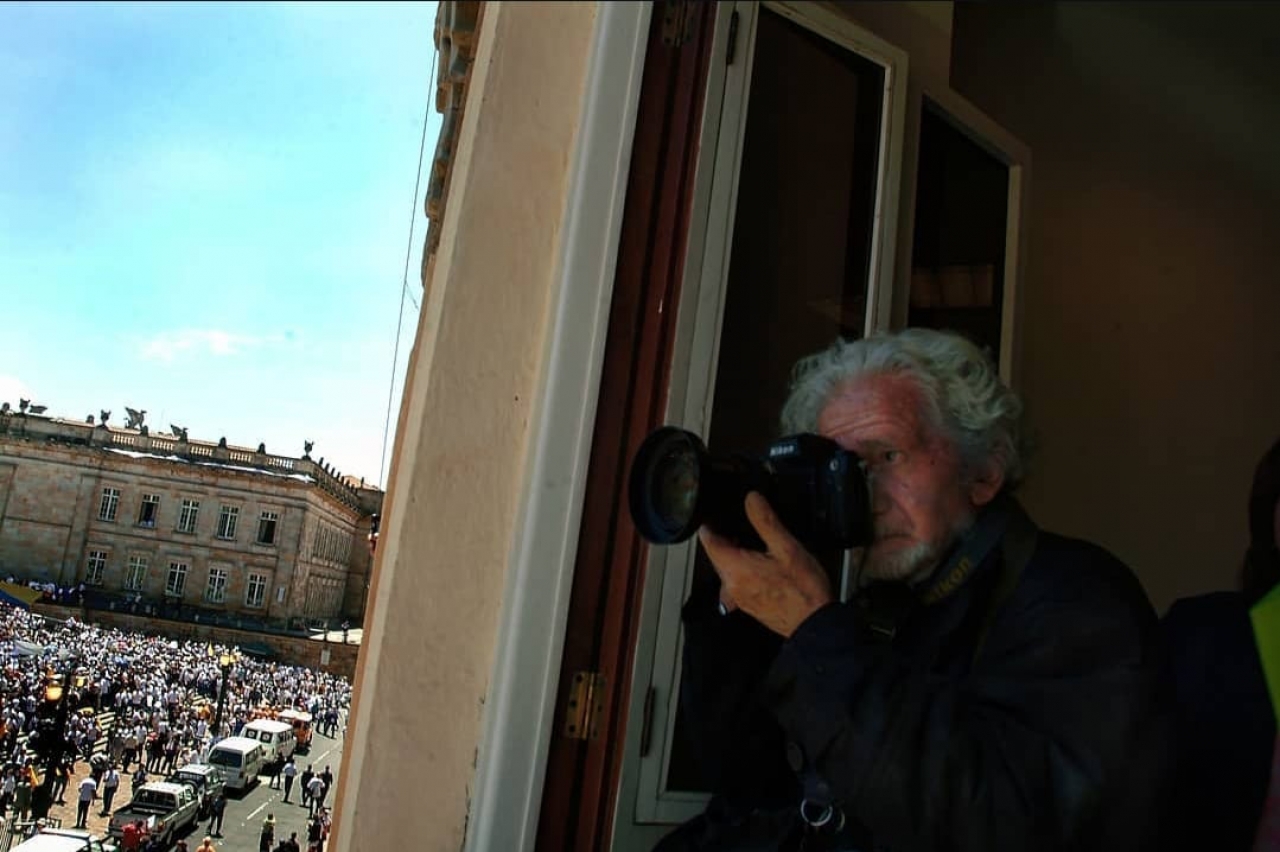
1008 149
188 516
215 588
94 566
267 516
152 499
135 575
646 809
177 570
520 705
109 505
228 520
259 583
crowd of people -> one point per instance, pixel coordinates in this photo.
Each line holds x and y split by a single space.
161 695
52 592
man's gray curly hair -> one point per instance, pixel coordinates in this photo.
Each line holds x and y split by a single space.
964 394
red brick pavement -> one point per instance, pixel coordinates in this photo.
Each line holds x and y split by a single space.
96 823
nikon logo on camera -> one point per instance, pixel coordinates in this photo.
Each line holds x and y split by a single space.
782 449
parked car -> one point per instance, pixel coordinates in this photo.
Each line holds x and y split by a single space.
207 780
168 809
64 840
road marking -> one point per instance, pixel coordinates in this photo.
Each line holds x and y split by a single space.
271 799
257 811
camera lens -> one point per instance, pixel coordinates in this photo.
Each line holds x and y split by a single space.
676 483
665 483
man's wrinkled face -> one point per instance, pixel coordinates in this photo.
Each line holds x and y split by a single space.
920 503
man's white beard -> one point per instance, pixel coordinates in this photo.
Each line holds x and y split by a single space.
914 563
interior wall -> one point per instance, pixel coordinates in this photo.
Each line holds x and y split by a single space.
460 456
920 27
1151 358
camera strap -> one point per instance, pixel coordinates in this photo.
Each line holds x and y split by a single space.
883 606
1004 524
973 549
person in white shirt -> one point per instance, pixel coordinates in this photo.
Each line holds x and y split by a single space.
315 793
110 783
88 792
290 772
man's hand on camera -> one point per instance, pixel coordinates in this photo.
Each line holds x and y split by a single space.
781 587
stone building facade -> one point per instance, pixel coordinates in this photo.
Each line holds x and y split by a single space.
190 524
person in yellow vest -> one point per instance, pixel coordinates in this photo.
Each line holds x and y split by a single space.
1223 651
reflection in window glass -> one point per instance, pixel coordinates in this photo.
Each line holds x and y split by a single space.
958 248
801 257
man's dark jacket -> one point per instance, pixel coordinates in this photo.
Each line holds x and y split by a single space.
1049 736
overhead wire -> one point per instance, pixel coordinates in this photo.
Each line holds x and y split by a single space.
404 282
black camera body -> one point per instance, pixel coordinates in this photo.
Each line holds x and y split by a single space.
816 487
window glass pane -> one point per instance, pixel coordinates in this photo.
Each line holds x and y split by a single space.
227 518
958 248
187 517
267 528
147 512
177 580
136 576
110 501
800 265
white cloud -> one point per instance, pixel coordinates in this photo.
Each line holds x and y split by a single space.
168 345
13 389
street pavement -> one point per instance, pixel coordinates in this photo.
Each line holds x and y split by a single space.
242 824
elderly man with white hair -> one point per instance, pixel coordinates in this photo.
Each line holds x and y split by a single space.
987 687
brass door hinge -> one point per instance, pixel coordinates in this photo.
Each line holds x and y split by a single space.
586 703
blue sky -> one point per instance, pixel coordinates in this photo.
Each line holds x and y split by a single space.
204 213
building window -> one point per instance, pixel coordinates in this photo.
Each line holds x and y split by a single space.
93 569
177 580
216 591
267 528
256 592
110 501
136 577
228 517
187 518
150 509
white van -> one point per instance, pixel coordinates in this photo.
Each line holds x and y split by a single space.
240 759
277 737
64 840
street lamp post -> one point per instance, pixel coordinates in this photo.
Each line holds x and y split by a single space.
225 662
55 748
